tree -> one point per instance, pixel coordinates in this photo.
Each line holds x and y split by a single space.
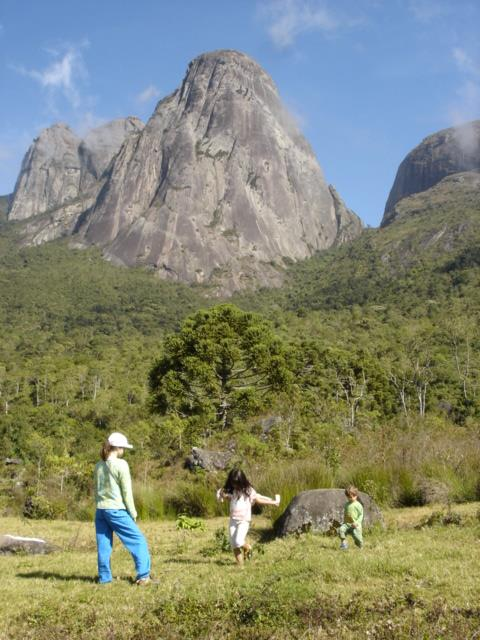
223 363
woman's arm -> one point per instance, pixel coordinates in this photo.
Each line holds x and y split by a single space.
125 483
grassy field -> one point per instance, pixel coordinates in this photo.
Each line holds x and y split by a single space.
408 582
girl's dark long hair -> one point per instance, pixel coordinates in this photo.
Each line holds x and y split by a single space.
237 481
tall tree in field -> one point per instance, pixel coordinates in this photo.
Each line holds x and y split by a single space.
223 363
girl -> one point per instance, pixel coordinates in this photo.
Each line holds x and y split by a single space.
116 511
242 495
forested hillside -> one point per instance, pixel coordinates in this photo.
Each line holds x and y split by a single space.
365 365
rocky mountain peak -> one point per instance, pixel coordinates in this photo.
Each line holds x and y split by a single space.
50 173
60 166
101 144
218 187
444 153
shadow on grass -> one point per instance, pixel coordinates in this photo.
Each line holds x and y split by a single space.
191 561
49 575
263 535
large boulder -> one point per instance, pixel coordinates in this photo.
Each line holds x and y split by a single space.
17 544
208 460
319 509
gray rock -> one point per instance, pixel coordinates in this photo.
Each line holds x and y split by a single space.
208 460
50 173
219 187
10 544
442 154
102 144
434 491
319 509
349 225
268 423
220 182
60 170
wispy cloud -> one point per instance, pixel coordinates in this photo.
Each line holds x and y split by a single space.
288 19
466 105
150 93
465 62
63 76
429 10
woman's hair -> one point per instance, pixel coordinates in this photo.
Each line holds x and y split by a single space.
237 481
106 450
351 491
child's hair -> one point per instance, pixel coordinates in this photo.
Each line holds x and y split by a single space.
106 450
351 491
237 481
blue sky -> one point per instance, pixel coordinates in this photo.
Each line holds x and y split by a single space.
366 80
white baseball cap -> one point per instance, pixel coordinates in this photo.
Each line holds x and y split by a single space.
119 440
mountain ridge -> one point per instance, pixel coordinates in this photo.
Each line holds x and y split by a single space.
219 187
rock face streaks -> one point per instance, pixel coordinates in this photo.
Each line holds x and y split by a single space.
59 167
219 186
444 153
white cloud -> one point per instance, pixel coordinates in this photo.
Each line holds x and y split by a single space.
87 121
466 106
287 19
63 76
467 103
150 93
428 10
465 62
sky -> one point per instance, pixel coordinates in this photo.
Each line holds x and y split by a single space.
365 80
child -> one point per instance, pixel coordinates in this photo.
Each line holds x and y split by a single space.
116 511
242 495
352 517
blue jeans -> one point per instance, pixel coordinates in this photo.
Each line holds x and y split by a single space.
119 520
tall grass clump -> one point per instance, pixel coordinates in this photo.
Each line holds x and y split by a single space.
291 477
195 499
150 503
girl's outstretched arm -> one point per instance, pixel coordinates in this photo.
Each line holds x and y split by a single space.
267 501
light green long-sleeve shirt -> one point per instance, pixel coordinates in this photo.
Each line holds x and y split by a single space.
353 513
113 486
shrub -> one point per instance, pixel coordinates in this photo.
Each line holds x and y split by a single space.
193 499
408 491
40 508
186 523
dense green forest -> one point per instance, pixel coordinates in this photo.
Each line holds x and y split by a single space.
364 365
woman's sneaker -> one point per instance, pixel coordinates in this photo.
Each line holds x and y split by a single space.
143 582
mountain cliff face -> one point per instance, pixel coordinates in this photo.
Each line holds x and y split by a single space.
219 187
60 167
442 154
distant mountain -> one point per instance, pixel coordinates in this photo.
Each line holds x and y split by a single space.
60 167
427 249
442 154
218 188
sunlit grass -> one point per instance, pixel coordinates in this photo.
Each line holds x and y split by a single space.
407 581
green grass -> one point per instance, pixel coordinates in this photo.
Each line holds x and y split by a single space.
407 583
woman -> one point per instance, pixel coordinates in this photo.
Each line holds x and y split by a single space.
116 511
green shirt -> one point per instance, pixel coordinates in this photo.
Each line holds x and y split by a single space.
113 486
353 513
